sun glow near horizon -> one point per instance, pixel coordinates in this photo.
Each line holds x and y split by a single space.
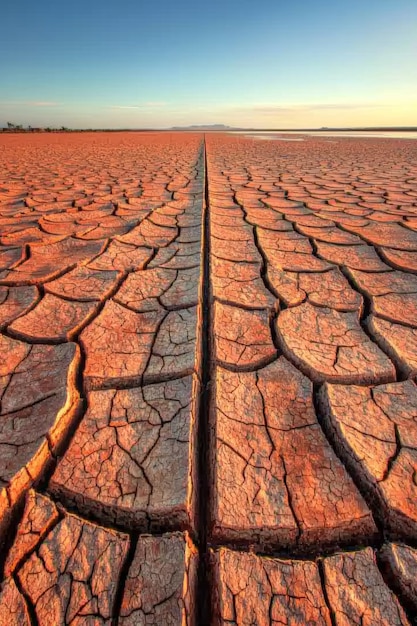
269 65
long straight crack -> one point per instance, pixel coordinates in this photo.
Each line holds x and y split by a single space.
203 435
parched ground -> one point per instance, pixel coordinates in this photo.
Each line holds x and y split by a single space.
207 380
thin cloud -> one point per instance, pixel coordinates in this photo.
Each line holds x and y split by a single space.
43 104
145 105
301 108
319 107
30 103
268 110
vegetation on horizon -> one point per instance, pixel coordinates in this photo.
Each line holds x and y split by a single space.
13 128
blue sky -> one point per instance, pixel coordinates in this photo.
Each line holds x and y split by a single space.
259 63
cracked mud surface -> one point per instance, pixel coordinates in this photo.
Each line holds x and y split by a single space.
208 380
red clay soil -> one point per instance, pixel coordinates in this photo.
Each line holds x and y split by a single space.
207 382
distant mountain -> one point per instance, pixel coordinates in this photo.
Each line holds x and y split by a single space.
203 127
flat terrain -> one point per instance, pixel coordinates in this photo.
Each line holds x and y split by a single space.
207 380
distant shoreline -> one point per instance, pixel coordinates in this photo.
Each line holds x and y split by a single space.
226 129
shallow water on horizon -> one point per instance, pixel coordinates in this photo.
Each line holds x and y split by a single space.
281 135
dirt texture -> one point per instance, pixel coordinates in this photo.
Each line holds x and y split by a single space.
207 380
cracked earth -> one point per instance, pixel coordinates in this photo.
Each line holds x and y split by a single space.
207 380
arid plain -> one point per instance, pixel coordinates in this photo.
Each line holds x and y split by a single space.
208 394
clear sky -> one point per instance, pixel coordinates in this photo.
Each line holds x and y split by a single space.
159 63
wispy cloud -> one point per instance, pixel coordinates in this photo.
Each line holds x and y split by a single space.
275 109
144 105
43 104
350 106
30 103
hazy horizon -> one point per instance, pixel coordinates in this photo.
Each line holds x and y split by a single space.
262 65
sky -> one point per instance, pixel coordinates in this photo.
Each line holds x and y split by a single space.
251 63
